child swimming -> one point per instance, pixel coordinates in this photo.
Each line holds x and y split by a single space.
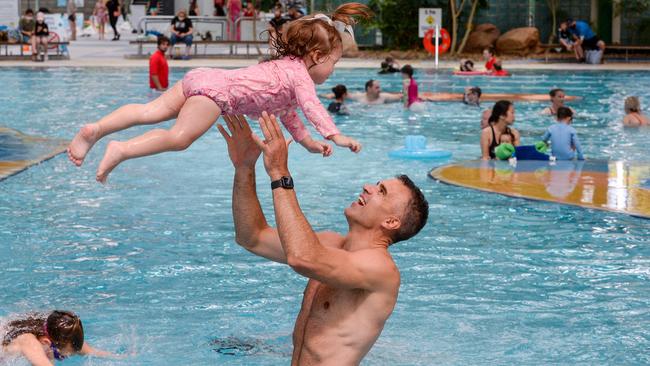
410 89
564 139
307 51
338 105
43 338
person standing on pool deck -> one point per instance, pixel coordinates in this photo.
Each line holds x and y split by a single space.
564 138
353 280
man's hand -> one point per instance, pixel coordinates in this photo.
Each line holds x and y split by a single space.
274 147
242 149
344 141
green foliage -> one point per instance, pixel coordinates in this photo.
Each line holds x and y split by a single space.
633 6
398 20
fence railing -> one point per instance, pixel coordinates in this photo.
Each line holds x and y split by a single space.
221 28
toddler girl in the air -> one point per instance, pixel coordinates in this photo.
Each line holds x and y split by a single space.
307 51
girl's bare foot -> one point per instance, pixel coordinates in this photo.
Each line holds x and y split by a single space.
114 155
82 142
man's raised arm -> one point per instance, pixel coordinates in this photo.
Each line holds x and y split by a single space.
304 251
251 229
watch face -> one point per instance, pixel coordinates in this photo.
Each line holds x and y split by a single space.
287 182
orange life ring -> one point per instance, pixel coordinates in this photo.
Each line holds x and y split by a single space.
445 41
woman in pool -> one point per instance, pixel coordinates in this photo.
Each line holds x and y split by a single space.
410 90
558 96
500 121
633 116
309 49
43 338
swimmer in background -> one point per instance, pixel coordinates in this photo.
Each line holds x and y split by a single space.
389 66
498 70
472 96
490 59
557 100
501 118
338 106
373 95
410 89
564 138
309 48
43 338
633 116
466 65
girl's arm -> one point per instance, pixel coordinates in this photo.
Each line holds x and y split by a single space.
87 350
405 93
485 144
313 108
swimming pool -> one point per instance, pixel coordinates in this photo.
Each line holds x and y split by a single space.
150 264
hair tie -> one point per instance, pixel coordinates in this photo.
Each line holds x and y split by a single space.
340 26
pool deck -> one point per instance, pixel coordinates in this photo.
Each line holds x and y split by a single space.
94 53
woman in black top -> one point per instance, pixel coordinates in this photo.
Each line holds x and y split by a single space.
502 117
113 7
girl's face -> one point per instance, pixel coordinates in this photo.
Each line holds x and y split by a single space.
486 54
321 67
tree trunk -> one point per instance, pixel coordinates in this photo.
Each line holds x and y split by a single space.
469 26
553 5
455 15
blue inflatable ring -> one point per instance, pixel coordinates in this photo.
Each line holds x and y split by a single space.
415 147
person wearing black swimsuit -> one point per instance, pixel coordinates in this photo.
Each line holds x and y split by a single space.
501 118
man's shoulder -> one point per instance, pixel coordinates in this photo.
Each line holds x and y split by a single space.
331 239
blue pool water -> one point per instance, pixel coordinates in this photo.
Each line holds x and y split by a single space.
150 263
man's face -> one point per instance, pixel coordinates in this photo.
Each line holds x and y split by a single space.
378 202
374 89
163 46
563 26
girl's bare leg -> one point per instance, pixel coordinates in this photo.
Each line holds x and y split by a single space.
163 108
197 115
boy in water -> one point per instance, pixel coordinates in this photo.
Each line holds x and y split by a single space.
564 138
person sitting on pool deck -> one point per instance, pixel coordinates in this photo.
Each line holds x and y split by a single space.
353 280
373 95
43 338
633 116
584 38
564 138
557 100
338 105
500 121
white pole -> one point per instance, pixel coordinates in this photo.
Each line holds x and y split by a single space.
437 42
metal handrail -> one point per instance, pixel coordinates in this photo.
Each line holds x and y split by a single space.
166 19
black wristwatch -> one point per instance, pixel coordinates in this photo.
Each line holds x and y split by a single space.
284 182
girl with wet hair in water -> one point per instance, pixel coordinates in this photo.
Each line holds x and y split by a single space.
307 51
43 338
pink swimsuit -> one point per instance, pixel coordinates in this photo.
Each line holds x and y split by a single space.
278 87
413 92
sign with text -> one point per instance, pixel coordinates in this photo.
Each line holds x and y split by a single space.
9 13
428 19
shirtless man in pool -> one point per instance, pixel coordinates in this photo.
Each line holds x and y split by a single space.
353 281
372 95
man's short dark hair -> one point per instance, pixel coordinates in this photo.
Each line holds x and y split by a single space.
476 90
339 90
554 92
564 113
163 39
415 213
29 11
369 83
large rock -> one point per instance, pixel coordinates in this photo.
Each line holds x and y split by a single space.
520 41
482 37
